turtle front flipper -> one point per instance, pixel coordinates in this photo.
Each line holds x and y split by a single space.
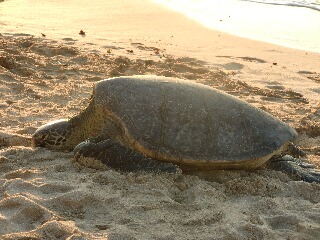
118 157
295 168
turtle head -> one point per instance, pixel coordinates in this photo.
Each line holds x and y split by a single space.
53 135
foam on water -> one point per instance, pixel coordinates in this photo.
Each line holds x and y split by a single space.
312 4
293 24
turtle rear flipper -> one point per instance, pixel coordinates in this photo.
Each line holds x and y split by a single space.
116 156
295 168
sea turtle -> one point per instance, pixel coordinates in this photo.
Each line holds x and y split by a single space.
155 123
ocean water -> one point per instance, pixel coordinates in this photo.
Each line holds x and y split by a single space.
312 4
290 23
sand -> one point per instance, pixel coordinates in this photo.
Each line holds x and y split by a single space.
289 26
43 195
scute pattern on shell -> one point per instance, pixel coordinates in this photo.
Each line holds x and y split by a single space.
175 120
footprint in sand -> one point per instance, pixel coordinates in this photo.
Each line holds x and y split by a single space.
311 75
145 48
248 59
238 66
233 66
27 202
21 213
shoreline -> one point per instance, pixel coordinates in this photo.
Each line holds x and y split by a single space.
100 27
291 27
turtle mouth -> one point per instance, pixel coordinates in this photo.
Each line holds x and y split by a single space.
37 143
33 143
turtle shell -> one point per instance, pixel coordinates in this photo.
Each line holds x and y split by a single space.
185 122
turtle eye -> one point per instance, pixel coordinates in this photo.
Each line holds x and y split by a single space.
44 137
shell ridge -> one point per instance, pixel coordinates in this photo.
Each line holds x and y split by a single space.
216 125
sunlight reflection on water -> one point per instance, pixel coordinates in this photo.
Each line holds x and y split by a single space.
294 27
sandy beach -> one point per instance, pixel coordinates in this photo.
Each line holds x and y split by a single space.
47 71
